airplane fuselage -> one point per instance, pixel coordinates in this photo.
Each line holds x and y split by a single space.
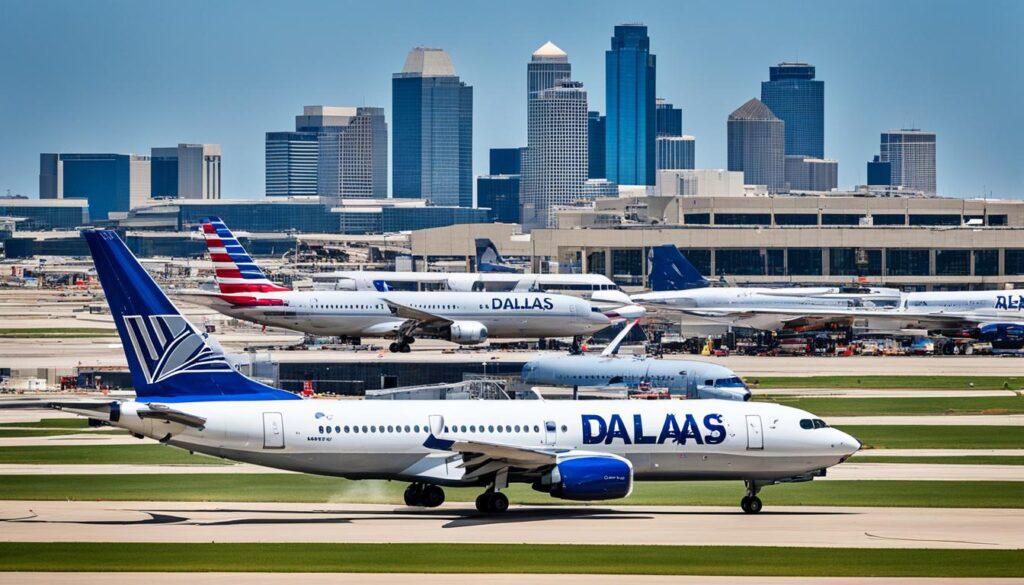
664 440
356 314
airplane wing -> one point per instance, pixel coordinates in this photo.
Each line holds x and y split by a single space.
613 347
826 314
415 318
480 458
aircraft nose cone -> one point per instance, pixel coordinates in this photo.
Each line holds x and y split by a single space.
849 445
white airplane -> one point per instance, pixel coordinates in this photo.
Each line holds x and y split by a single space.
682 378
189 397
678 286
489 278
461 317
995 314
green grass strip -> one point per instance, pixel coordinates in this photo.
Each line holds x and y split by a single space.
28 333
937 437
104 455
886 382
965 460
503 558
902 406
15 433
277 487
51 423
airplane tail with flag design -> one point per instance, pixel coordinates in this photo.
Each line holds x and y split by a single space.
236 271
169 360
670 270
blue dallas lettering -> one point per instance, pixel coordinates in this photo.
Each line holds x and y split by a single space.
1013 303
548 304
596 430
617 430
590 438
717 430
638 432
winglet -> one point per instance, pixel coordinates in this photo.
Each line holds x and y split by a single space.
613 347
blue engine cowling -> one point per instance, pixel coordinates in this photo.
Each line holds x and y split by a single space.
591 477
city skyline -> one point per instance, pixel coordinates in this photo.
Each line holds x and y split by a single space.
141 87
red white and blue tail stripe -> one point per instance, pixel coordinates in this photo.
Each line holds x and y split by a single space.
235 269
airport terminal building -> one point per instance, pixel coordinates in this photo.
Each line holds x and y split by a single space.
911 242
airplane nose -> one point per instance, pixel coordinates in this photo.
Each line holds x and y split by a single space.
848 444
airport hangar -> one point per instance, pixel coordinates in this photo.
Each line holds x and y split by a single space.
916 243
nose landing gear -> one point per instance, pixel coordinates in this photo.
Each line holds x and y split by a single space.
751 504
421 495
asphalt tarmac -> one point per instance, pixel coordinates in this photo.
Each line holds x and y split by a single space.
50 521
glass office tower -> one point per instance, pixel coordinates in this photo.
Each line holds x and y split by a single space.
353 158
792 94
630 157
756 145
547 65
432 121
911 156
670 119
595 145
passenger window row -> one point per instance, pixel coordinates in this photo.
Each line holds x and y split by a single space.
371 429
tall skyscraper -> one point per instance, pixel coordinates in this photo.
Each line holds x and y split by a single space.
292 157
432 131
353 155
555 167
499 190
792 94
631 126
669 119
547 65
595 145
188 171
676 152
756 145
291 162
911 155
110 182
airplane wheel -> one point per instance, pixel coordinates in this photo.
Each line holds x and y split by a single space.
404 348
433 496
751 504
413 495
499 502
483 502
393 348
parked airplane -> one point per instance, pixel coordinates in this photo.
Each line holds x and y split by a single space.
995 314
189 397
493 275
461 317
682 378
677 285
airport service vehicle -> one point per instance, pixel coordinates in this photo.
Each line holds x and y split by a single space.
487 279
678 286
462 317
682 378
188 396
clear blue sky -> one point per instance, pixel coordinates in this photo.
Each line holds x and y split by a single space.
113 76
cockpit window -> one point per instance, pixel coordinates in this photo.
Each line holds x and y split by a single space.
815 423
733 382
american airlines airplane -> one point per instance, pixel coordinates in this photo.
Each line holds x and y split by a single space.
682 378
678 286
188 396
493 275
461 317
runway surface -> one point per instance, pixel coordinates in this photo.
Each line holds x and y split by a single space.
36 521
457 579
845 471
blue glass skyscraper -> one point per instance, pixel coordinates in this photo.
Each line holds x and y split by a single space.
631 122
432 131
792 94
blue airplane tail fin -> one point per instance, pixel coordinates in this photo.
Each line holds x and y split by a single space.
670 270
169 360
488 259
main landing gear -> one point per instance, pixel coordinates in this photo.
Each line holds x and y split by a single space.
751 504
492 502
401 345
422 495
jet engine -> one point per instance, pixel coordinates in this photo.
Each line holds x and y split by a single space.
467 332
588 477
